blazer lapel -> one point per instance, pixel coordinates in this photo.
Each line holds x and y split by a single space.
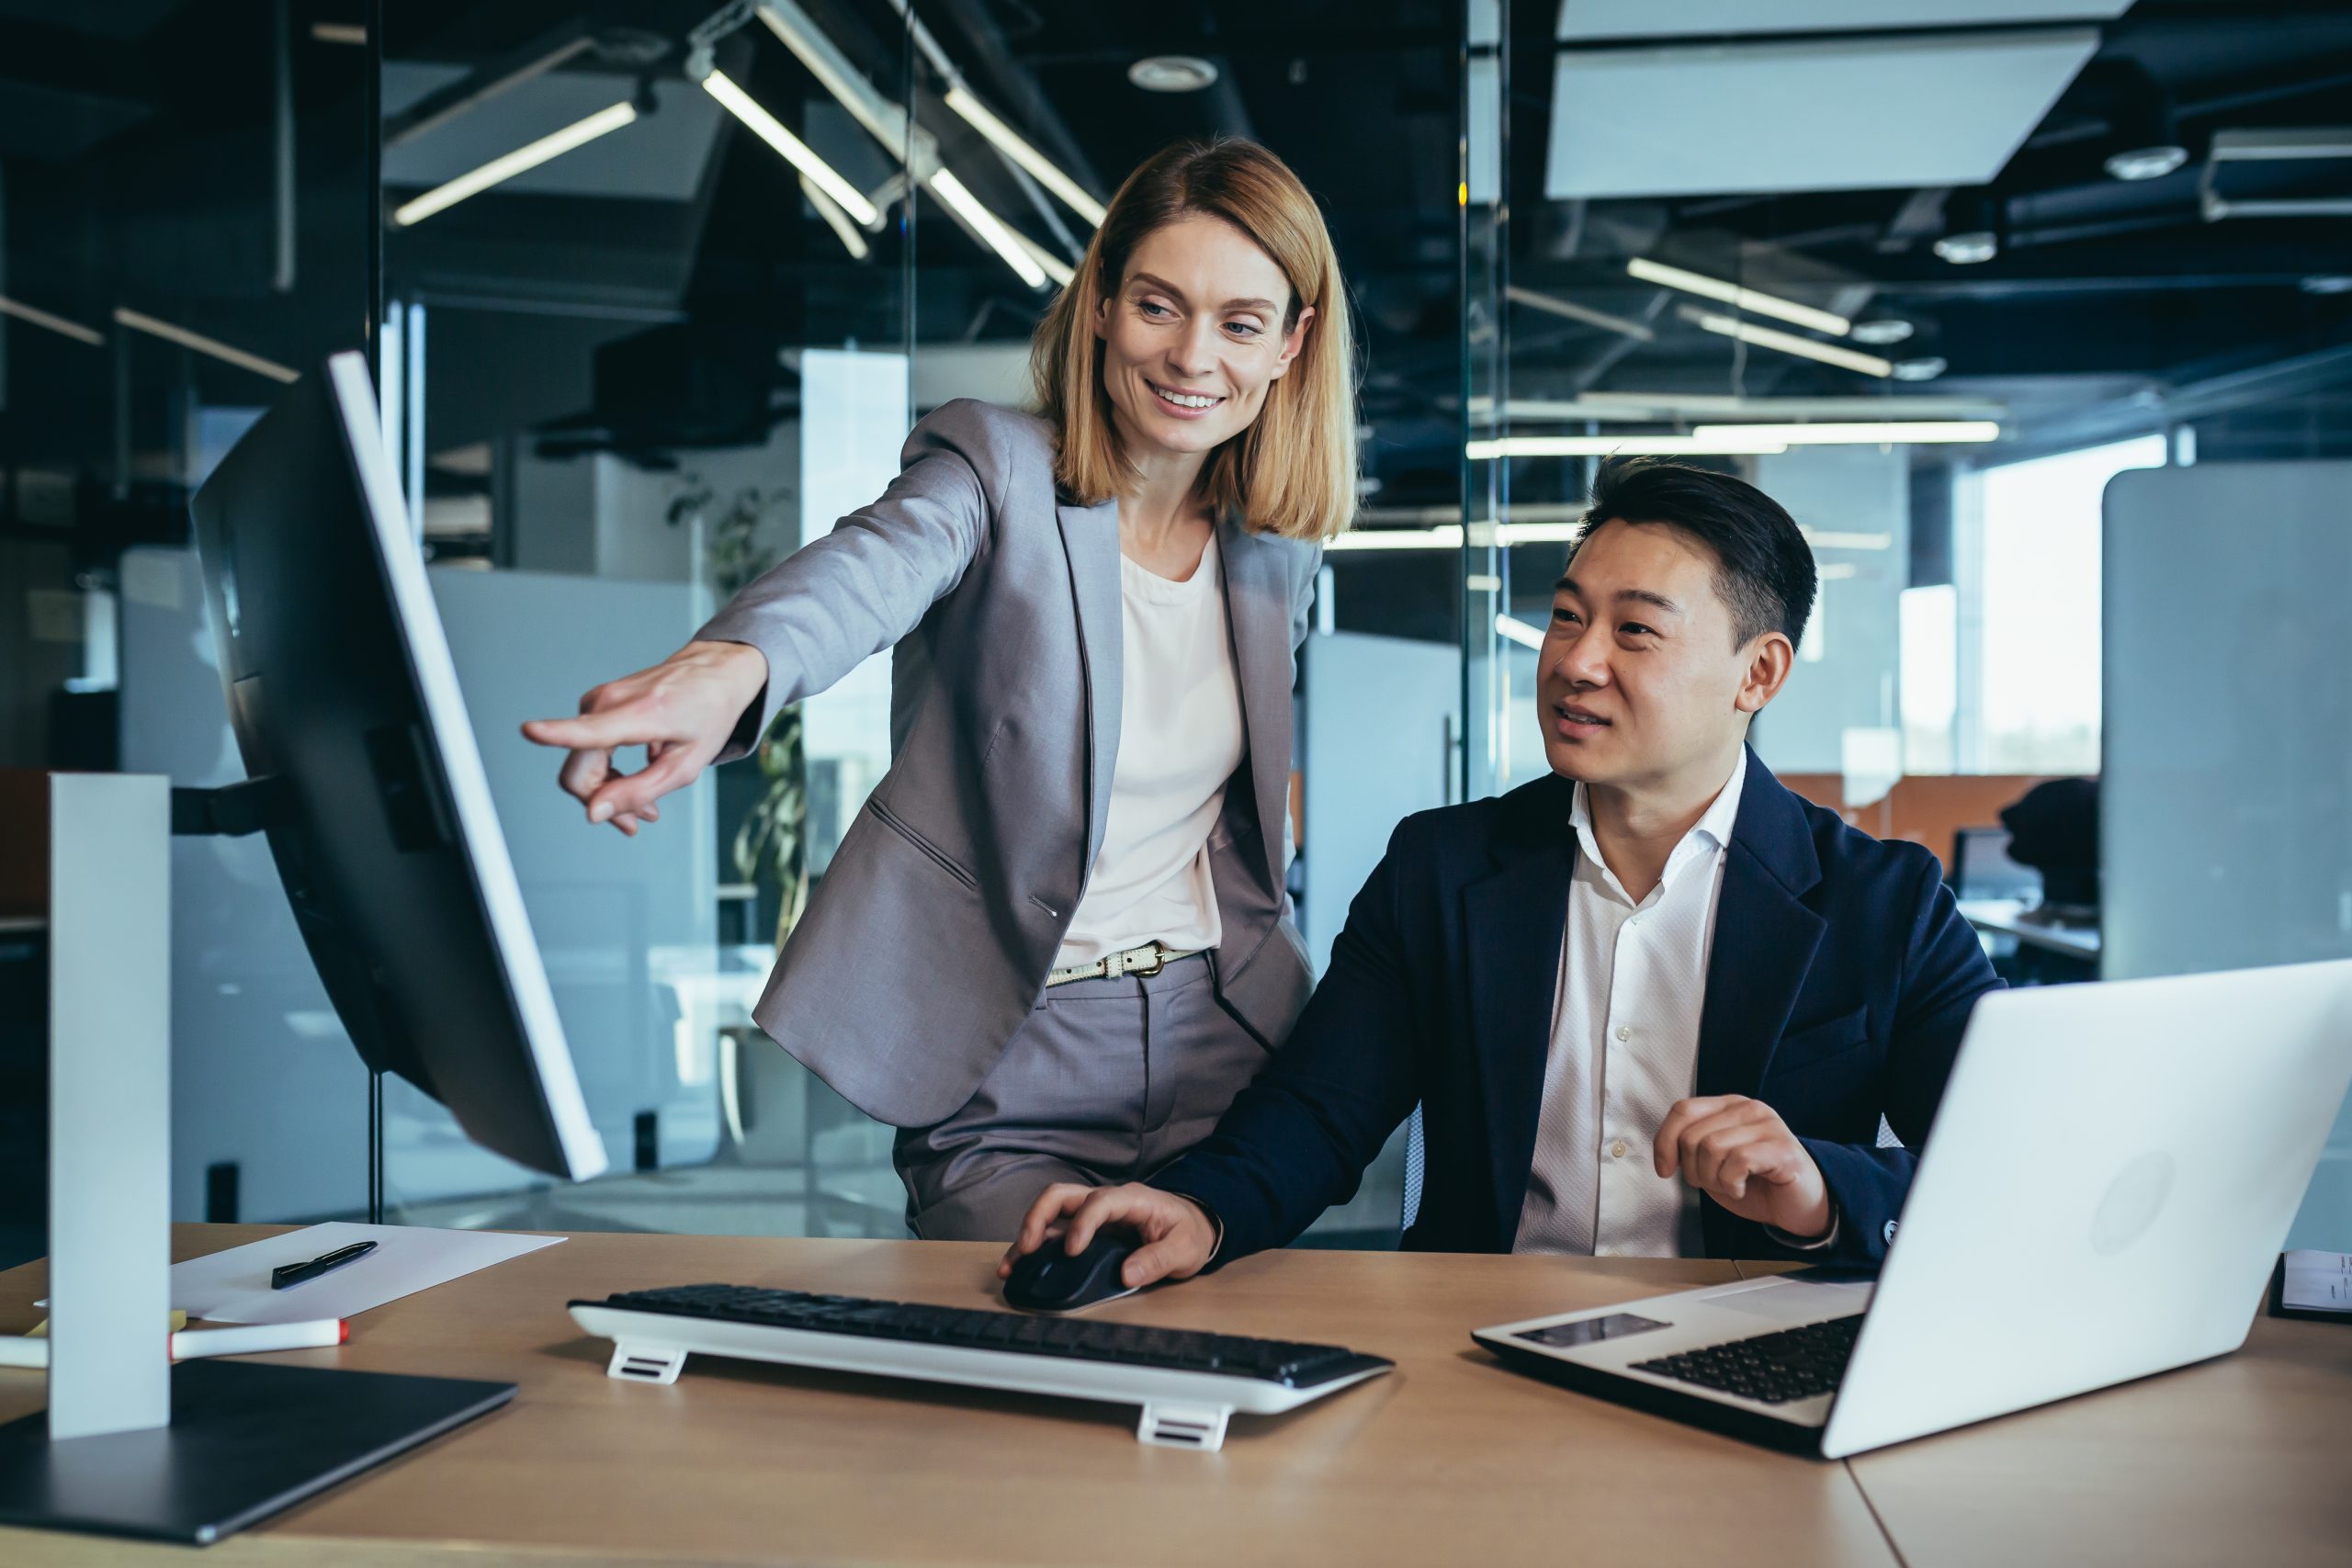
1765 937
1091 539
1513 924
1256 609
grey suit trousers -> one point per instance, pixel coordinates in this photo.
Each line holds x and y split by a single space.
1107 1081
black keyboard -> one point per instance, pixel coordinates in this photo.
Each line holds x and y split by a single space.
1120 1344
1794 1363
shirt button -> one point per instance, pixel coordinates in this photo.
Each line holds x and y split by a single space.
1623 1032
1617 1149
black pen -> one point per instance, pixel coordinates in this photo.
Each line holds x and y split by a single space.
287 1274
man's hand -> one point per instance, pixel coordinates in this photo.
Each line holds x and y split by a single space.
1738 1151
681 711
1178 1234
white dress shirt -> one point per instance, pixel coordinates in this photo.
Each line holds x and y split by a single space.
1625 1047
1179 740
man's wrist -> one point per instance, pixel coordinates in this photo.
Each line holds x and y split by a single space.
1821 1242
1216 1226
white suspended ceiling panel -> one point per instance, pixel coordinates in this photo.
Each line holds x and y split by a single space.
1586 20
1849 114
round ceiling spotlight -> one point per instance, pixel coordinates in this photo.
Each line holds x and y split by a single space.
1923 369
2327 283
1969 247
1974 223
1172 73
1882 330
2146 162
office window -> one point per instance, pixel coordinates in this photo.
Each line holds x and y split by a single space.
2036 630
1928 622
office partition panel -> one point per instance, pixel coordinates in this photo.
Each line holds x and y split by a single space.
2226 801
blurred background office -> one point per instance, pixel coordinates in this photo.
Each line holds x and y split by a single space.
2036 313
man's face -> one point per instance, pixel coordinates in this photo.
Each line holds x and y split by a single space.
1638 679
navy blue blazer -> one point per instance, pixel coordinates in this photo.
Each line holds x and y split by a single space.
1841 980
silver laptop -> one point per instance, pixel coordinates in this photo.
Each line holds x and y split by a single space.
2112 1173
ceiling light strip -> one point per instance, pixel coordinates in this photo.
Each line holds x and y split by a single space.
844 226
58 324
1864 432
889 124
883 119
943 185
1448 536
768 129
1553 305
1753 301
1444 536
1730 441
1517 631
202 345
1061 271
521 159
1009 142
1789 343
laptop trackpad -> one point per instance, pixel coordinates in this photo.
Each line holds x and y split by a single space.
1797 1301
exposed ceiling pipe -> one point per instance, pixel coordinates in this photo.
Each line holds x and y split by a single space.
281 161
1017 86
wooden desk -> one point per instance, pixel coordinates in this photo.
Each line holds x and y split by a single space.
1448 1460
2001 917
2243 1460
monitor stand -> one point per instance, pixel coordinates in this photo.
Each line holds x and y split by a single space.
131 1445
245 1440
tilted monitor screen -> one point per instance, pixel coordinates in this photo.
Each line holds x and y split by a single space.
341 688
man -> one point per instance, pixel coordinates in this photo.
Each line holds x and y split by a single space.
1652 1005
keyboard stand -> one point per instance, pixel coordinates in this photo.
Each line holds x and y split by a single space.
1164 1424
1183 1426
643 1363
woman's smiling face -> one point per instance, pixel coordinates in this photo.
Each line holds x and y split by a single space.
1193 336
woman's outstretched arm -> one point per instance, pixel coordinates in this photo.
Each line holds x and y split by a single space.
799 628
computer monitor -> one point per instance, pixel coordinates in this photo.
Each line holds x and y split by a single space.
342 693
1981 867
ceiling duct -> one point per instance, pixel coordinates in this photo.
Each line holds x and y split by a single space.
2292 172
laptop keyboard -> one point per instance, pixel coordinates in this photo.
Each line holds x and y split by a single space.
1018 1334
1775 1369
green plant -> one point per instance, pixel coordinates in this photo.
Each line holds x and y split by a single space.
771 843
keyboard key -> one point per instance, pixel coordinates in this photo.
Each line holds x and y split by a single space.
1774 1368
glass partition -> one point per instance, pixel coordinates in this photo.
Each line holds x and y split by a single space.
622 379
183 230
653 297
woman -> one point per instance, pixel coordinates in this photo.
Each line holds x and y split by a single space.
1054 943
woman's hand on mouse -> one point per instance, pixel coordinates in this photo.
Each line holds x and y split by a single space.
1179 1237
681 711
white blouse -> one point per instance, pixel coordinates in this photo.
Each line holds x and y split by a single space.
1180 742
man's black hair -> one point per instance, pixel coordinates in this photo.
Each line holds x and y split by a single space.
1763 567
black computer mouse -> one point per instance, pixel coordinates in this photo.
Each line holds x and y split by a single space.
1051 1280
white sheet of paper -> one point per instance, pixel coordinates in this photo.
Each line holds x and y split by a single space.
234 1286
2319 1281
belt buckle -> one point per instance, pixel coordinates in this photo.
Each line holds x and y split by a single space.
1159 961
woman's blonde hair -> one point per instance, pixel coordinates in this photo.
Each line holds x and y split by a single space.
1293 471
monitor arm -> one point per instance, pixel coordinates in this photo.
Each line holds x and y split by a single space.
231 811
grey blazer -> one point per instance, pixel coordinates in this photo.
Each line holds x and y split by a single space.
927 943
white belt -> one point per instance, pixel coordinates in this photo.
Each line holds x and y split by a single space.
1148 959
